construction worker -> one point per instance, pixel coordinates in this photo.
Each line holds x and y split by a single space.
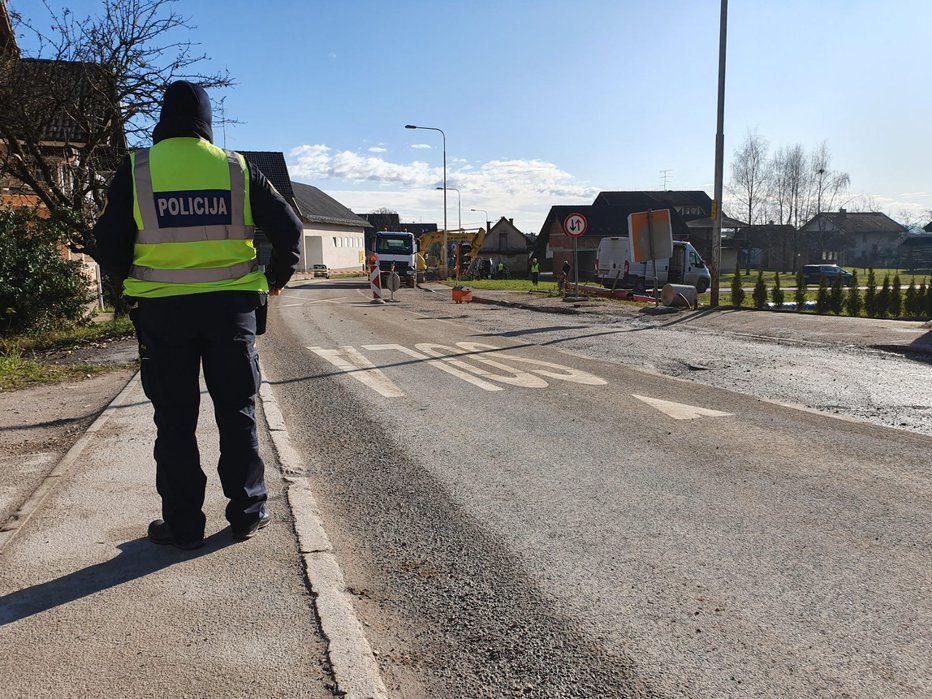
535 271
177 233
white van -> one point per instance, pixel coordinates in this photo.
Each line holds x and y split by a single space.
615 268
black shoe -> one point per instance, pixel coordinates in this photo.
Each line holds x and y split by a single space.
250 531
161 533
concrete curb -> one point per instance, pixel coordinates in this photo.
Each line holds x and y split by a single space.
355 669
22 515
569 310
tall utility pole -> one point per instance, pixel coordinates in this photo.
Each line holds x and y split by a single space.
719 159
443 256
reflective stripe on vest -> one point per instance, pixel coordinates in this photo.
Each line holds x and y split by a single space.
151 233
193 275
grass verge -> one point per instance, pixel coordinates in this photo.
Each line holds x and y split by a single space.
22 364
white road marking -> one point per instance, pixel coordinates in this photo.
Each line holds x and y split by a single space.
452 360
315 301
517 378
443 366
560 372
360 369
681 411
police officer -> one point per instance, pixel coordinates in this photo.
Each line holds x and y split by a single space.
177 232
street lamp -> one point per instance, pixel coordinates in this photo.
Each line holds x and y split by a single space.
443 261
459 210
487 222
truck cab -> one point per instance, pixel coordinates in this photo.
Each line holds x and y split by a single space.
397 250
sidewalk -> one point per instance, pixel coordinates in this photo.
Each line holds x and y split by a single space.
89 607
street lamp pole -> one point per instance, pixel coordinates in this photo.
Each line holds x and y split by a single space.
719 159
459 209
487 222
443 260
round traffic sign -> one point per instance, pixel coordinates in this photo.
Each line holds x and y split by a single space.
574 225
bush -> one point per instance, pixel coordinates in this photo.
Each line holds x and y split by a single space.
760 291
853 300
799 295
836 297
870 294
910 301
39 289
927 300
822 302
882 303
896 297
777 293
921 295
737 291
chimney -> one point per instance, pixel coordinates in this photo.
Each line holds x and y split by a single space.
511 221
842 212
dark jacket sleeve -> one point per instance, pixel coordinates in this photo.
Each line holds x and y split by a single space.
278 221
115 230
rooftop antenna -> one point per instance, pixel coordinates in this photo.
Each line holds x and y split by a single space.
666 178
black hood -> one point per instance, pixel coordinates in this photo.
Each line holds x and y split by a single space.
185 113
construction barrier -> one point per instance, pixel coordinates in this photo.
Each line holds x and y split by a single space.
375 281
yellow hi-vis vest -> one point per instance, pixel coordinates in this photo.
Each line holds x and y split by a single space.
194 222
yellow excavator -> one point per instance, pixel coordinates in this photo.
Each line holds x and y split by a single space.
463 249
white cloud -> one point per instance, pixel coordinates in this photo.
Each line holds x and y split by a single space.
520 189
421 146
378 149
311 162
332 56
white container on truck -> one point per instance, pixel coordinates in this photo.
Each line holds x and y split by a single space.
398 248
615 268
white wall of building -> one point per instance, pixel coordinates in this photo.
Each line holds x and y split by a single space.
338 247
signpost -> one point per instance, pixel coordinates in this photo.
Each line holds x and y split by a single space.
575 226
651 236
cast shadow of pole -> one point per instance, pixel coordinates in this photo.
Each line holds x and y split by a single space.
137 559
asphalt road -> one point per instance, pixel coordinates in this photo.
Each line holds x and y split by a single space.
548 514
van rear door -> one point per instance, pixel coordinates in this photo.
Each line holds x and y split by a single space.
677 264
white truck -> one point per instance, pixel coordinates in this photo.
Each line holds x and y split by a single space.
615 268
398 248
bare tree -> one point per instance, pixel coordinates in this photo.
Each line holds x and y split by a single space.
750 172
826 185
92 89
789 171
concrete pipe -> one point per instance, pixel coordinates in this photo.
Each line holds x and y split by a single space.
678 295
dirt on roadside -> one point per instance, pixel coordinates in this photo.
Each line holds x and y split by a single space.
52 417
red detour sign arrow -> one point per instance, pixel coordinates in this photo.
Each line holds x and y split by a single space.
575 225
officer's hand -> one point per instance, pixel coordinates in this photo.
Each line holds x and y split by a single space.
275 291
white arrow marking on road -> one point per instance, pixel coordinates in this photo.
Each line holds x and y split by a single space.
360 369
681 411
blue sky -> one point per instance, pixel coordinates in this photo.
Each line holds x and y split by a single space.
548 102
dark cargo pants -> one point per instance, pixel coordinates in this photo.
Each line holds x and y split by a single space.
178 335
